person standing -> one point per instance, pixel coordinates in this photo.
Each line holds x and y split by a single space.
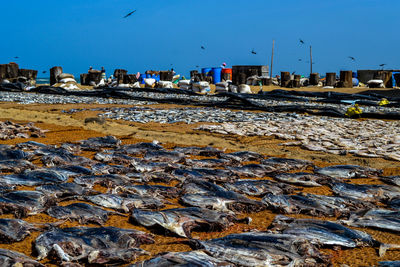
103 73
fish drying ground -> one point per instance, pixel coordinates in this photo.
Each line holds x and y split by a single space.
123 182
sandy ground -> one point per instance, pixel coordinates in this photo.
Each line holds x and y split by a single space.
69 128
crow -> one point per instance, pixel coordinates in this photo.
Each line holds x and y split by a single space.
44 71
352 58
202 47
293 72
16 57
382 65
301 41
130 13
253 52
300 59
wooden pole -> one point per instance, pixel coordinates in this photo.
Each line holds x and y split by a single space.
311 71
272 57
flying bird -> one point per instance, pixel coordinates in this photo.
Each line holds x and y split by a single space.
381 65
293 72
197 66
130 13
300 59
253 52
16 57
301 41
44 71
352 58
202 47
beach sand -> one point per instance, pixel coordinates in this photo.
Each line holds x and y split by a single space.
71 127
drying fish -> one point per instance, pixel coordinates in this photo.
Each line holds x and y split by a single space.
72 170
393 180
217 175
140 149
31 145
14 154
154 166
100 168
376 218
191 258
164 156
316 205
82 212
259 188
283 164
107 180
16 165
321 232
348 171
302 178
96 143
389 264
35 177
243 156
394 203
207 163
264 249
14 230
116 158
149 190
208 195
366 192
59 156
22 203
60 191
252 170
199 151
13 258
183 221
125 203
104 245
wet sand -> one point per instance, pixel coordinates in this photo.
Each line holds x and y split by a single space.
69 128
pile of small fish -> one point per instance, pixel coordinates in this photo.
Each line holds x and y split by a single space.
11 130
37 98
371 138
187 115
215 191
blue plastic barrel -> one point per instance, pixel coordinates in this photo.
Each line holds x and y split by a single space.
142 77
355 82
354 74
216 74
206 71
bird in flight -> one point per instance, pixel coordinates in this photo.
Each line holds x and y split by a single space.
197 66
300 59
301 41
352 58
130 13
16 57
381 65
253 52
293 72
202 47
44 71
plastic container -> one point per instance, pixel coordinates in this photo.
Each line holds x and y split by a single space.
216 74
206 71
226 74
355 82
142 77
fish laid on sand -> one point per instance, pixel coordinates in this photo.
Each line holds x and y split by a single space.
104 245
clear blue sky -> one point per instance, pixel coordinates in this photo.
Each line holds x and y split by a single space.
77 34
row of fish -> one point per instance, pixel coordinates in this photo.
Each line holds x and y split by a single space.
214 190
372 138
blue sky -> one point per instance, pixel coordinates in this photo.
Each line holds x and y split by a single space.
77 34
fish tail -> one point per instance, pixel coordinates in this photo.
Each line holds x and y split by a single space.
384 247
